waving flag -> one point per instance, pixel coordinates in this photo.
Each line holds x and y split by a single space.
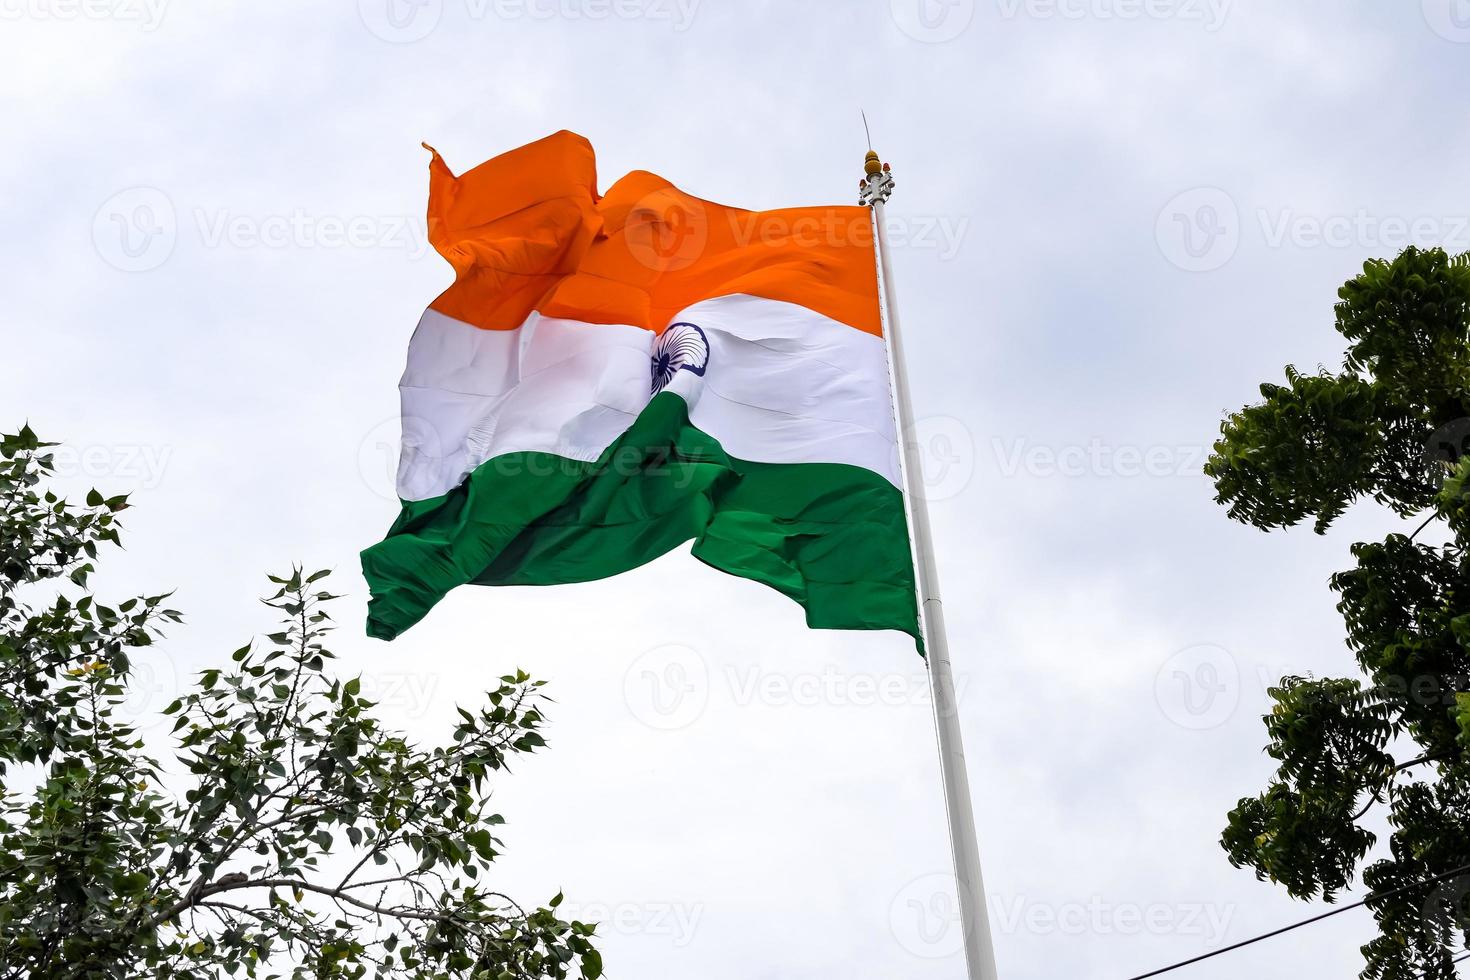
612 376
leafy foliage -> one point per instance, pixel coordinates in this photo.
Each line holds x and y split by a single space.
307 839
1393 426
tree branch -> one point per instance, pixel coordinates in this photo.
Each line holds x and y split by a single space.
215 888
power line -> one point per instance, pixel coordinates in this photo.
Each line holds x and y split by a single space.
1305 922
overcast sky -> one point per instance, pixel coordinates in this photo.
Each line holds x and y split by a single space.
1114 218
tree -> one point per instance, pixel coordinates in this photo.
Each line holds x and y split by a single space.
307 839
1392 426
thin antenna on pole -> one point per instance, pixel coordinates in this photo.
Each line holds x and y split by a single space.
876 187
866 131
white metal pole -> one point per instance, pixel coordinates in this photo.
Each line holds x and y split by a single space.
979 950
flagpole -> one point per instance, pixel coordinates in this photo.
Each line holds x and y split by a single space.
877 186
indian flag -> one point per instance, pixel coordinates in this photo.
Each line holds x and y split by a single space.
611 376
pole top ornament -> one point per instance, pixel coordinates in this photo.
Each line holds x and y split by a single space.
877 186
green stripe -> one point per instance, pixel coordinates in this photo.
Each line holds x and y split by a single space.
831 536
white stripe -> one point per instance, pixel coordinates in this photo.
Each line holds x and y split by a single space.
788 385
783 385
